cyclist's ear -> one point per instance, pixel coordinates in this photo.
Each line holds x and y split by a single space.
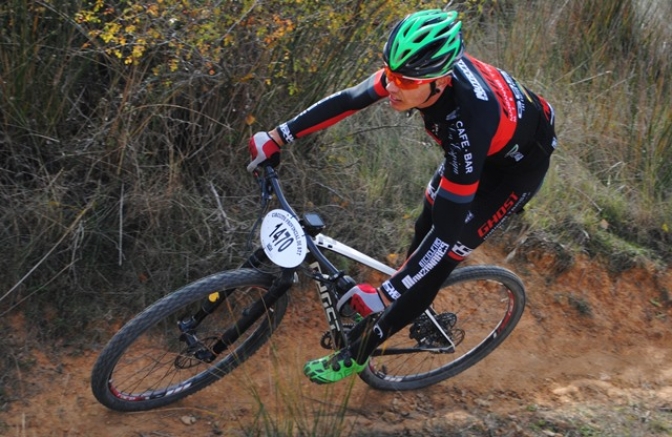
443 82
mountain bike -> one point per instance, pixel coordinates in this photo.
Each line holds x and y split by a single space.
202 332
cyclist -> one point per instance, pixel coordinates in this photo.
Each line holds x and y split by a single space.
497 137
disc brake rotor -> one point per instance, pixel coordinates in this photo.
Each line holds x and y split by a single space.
425 332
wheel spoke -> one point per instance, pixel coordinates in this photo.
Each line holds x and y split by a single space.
152 361
476 312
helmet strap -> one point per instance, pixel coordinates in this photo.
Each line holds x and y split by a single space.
433 90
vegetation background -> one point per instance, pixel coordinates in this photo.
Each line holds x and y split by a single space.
124 127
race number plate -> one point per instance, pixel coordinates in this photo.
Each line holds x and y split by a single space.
283 239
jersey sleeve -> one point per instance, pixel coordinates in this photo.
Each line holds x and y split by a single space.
335 108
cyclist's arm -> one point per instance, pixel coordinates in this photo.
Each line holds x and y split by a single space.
332 109
457 189
465 151
486 124
450 205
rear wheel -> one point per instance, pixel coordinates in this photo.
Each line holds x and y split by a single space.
477 308
161 356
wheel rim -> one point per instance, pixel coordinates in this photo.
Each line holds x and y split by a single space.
159 363
484 312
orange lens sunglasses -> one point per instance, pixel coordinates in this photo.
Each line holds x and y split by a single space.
403 82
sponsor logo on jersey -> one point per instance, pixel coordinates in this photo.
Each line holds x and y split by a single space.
465 145
434 129
452 153
505 98
515 88
391 291
461 250
470 217
286 134
478 88
452 116
493 222
436 252
515 154
462 136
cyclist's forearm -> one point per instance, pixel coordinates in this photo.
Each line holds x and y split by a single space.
275 134
331 110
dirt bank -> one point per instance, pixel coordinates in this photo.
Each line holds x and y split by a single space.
592 356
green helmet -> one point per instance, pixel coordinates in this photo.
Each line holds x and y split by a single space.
425 44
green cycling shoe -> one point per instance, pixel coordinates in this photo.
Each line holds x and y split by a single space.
333 368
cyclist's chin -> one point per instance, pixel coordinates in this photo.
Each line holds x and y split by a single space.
399 105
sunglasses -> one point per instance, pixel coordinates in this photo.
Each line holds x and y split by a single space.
403 82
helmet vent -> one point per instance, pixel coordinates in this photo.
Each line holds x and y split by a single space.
425 44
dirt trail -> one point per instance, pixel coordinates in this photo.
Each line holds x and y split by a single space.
591 356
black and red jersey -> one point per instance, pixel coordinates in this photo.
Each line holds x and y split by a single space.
484 119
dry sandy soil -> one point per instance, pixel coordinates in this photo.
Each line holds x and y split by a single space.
592 356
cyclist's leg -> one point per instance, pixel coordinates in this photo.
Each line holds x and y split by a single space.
501 196
353 359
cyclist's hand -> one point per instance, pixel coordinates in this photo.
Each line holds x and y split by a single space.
263 147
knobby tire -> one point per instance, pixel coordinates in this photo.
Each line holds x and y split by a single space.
486 301
146 365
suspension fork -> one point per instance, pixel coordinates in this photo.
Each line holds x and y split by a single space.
257 310
250 315
215 299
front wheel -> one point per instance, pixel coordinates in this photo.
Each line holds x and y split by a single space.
477 308
161 355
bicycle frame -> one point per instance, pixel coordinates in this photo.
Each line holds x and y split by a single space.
324 269
321 279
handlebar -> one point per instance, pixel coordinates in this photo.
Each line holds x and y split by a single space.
269 184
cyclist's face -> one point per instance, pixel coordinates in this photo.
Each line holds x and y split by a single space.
418 97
